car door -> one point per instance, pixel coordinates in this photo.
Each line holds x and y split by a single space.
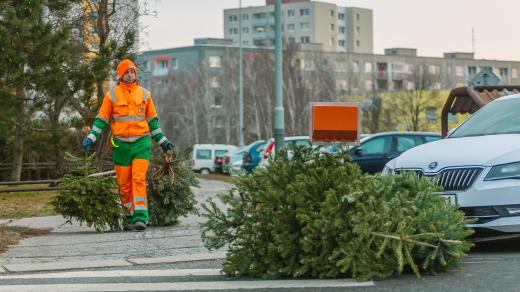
374 154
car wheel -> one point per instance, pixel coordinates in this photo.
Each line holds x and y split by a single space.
204 171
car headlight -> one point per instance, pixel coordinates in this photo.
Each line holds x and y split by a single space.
510 170
387 171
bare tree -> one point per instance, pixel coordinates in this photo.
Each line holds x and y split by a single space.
409 104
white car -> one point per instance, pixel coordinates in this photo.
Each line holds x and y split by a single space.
478 165
203 157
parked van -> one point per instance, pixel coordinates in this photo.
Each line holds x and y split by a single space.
203 157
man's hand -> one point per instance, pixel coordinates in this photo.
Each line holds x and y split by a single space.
166 145
87 142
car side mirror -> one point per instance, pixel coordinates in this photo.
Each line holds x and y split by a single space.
358 151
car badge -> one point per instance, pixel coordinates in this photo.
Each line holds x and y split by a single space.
140 110
433 165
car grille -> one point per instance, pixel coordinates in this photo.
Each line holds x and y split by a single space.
455 179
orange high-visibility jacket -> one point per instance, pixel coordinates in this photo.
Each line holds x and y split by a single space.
128 108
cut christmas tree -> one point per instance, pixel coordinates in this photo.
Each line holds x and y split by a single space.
317 215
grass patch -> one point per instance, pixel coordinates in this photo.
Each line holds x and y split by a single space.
10 235
215 176
25 204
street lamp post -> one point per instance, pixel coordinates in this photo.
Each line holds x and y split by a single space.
279 126
240 81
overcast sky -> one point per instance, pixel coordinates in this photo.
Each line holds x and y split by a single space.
431 26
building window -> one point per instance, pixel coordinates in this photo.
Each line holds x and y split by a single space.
332 27
472 71
357 43
308 65
290 27
292 40
368 85
245 17
175 64
357 30
233 31
341 43
217 100
304 26
305 12
357 16
431 115
433 69
503 72
332 13
332 41
246 43
245 30
341 29
459 71
305 39
341 66
219 122
368 67
215 83
215 61
514 73
233 18
341 16
290 13
355 66
398 84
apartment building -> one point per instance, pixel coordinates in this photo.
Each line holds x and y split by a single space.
212 65
338 29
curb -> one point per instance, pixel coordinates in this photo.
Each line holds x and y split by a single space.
72 265
178 258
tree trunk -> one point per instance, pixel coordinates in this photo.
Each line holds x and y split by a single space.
16 172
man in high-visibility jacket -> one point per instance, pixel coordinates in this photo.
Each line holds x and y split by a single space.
130 111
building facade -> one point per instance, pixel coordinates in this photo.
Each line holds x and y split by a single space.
338 29
195 88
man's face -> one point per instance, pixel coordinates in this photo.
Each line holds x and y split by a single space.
129 76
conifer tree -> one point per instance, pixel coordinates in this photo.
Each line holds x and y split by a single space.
28 44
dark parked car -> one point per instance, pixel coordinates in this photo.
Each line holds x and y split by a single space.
376 150
253 155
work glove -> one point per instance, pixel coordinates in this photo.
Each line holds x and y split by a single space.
87 142
166 145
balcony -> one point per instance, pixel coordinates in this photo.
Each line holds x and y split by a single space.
263 21
263 35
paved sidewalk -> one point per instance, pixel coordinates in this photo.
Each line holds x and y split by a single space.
75 247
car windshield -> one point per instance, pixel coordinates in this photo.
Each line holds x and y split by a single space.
500 117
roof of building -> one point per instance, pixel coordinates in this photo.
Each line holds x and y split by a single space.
463 100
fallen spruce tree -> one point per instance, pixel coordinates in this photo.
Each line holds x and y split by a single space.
95 200
169 189
317 215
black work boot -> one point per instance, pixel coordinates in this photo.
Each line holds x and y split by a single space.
139 226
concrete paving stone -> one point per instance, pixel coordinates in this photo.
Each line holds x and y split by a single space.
39 222
55 266
136 246
79 243
179 258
